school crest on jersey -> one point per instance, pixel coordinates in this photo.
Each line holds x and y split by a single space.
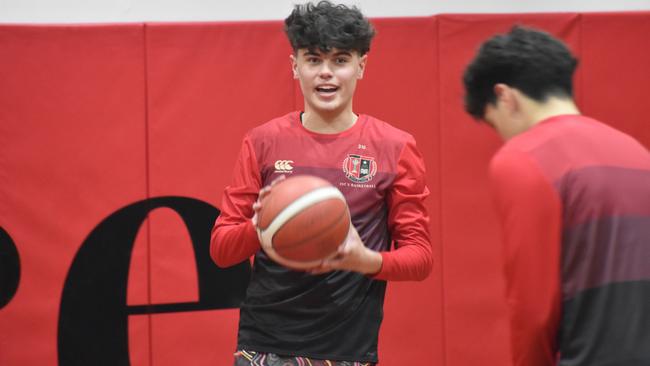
359 168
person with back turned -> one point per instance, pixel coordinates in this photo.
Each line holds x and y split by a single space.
573 199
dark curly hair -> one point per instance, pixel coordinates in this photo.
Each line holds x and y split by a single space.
530 60
325 26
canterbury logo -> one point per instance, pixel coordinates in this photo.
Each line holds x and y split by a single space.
283 165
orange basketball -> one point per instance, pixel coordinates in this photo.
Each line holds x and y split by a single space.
303 220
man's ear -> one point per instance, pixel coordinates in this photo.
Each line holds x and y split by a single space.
294 66
506 96
362 65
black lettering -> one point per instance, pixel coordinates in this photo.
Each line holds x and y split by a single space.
9 268
93 318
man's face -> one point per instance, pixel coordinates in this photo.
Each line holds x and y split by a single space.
496 117
328 80
504 115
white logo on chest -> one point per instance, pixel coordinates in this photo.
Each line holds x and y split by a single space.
283 166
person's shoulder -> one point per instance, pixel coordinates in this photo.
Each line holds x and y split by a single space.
541 136
511 162
388 131
515 155
560 133
274 126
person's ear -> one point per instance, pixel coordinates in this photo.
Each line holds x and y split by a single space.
362 65
294 66
506 96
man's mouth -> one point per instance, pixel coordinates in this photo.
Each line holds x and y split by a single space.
326 89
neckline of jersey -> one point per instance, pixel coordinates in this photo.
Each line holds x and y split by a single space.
555 118
295 120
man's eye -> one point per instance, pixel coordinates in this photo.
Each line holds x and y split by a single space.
341 60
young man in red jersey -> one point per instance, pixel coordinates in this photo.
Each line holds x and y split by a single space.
331 314
573 197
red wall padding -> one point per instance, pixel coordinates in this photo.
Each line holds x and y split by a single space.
96 118
72 150
615 59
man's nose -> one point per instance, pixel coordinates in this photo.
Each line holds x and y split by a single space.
325 71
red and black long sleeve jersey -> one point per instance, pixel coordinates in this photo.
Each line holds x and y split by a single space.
574 200
335 315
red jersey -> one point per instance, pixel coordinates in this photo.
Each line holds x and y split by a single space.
574 199
335 315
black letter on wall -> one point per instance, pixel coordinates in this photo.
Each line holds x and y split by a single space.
93 319
9 268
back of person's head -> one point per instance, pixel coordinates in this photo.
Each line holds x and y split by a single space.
325 25
531 61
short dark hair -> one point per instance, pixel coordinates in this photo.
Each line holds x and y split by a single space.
530 60
325 26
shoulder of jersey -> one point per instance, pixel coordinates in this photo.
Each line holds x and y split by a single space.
274 126
388 131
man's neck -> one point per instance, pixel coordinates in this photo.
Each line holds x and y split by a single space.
328 123
538 112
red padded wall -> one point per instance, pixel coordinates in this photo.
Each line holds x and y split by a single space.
94 118
72 150
614 65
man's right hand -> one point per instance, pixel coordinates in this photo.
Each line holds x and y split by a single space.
264 192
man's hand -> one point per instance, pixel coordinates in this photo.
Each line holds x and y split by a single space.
265 191
352 255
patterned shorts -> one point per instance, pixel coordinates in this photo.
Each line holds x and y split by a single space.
252 358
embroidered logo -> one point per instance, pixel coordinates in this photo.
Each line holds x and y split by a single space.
359 168
283 166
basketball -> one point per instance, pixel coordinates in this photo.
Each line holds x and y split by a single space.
303 220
